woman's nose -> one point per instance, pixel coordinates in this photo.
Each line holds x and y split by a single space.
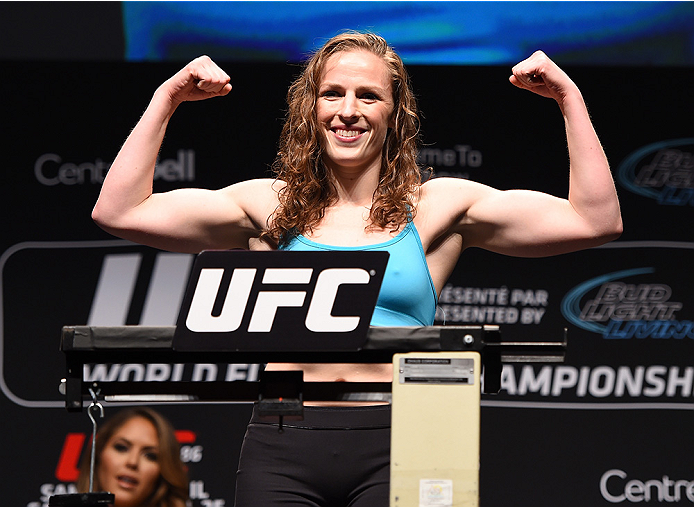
132 460
349 108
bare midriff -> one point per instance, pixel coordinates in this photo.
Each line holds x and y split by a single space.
339 372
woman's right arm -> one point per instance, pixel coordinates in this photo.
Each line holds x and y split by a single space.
187 220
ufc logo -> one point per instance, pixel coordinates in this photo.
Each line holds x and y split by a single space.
319 317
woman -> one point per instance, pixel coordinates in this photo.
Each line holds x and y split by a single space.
347 179
137 458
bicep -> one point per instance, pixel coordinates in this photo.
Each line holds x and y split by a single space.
191 220
524 223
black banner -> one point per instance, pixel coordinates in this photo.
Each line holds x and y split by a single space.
612 425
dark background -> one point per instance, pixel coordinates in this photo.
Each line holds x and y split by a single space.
69 91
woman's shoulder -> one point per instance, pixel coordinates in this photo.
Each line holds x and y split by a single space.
443 183
256 199
445 203
260 184
438 191
263 191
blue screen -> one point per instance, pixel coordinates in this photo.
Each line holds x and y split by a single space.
447 33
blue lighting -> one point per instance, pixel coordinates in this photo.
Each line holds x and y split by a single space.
454 33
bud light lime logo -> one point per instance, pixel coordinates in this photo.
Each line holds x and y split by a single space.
611 306
663 171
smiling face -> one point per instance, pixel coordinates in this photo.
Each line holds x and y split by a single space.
354 109
129 466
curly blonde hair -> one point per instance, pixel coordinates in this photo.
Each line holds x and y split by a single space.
309 190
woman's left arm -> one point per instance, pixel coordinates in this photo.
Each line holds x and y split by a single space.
527 223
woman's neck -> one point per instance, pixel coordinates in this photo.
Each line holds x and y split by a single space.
355 187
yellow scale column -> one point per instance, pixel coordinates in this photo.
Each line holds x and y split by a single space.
435 437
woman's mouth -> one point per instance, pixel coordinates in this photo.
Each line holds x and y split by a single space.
347 134
127 482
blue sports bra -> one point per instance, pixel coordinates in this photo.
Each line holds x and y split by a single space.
407 296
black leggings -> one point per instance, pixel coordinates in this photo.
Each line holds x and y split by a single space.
335 457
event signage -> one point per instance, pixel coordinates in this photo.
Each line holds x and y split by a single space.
284 300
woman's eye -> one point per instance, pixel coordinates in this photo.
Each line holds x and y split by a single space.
151 456
120 447
329 94
369 96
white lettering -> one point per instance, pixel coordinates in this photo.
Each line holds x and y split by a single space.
657 384
599 381
529 297
154 372
191 454
461 156
636 491
268 302
101 373
632 382
200 318
529 382
218 502
319 317
197 490
136 370
474 296
180 169
602 381
619 302
47 490
684 382
480 314
603 486
287 275
564 376
490 305
582 388
532 315
161 372
177 373
158 372
633 491
468 157
248 372
508 380
50 170
266 308
204 372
